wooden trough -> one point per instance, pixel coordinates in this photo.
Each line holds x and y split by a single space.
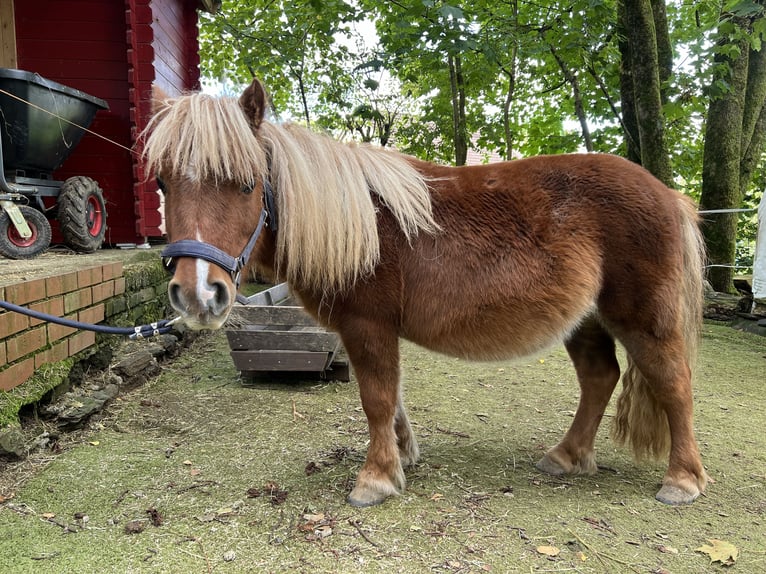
271 336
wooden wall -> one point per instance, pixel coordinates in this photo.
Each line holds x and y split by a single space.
163 52
7 35
115 50
83 44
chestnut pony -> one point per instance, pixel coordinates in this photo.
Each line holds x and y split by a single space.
484 262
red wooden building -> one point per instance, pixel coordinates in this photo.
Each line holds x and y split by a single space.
115 50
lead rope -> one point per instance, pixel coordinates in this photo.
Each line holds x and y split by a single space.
139 332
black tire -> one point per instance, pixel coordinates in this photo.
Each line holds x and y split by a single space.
82 214
13 245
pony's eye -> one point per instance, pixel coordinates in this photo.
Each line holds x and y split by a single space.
161 184
247 188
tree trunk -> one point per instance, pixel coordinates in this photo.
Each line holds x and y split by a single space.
571 79
754 118
639 27
664 47
627 97
729 135
458 109
509 95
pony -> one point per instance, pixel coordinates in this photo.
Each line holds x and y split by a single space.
480 262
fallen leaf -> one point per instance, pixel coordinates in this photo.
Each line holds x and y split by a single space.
48 515
581 556
548 550
667 549
194 472
720 551
187 462
94 443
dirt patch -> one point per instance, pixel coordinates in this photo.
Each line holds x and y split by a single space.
196 472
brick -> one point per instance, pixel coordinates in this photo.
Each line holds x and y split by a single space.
112 270
90 276
16 374
56 332
80 341
25 344
11 323
56 353
53 306
59 284
21 293
116 305
92 314
140 297
77 300
119 285
103 291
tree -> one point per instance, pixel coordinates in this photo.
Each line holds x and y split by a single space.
290 45
644 66
734 131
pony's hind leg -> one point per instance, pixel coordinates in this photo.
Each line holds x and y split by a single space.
655 405
374 354
592 351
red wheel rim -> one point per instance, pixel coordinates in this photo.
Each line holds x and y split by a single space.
94 216
15 237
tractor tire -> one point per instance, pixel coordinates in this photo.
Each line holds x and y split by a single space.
13 245
82 214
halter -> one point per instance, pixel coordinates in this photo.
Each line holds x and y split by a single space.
201 250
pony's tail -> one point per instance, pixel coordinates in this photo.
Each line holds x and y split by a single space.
640 420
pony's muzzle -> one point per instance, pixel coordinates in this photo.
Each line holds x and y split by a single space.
205 307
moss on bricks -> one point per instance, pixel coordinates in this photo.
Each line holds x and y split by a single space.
143 274
45 379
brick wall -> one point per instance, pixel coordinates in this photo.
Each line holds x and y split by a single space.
92 295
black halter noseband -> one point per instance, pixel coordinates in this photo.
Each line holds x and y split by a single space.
201 250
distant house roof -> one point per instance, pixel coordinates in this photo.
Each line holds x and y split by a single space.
478 157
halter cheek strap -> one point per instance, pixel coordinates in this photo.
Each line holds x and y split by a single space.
201 250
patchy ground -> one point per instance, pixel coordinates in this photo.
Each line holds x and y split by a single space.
196 472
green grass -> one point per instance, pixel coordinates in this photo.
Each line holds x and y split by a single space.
190 444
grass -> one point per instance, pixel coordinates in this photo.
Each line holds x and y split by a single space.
196 472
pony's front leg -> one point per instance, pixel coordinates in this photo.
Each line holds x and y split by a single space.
375 358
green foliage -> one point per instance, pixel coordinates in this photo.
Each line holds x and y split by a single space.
290 45
520 61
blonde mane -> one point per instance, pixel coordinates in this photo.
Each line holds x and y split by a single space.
327 237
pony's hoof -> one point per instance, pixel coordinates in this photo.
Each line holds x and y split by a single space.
550 466
360 501
675 496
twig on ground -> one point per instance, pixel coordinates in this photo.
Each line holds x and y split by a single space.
599 555
355 523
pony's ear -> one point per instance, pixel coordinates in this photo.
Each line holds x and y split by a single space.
253 103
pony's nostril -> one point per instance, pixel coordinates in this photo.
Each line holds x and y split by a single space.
220 300
175 297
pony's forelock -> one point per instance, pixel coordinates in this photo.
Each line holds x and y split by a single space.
205 138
